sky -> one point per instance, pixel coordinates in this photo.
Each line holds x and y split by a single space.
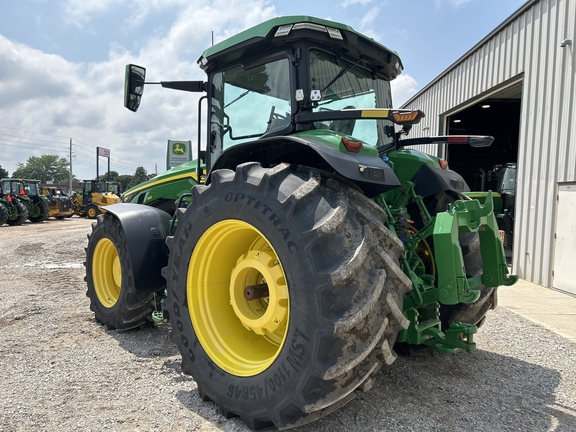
62 65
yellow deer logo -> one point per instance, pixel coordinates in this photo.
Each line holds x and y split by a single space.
178 148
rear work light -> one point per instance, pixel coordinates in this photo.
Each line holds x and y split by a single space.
286 29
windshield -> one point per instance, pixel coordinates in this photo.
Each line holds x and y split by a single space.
247 103
507 181
113 188
346 85
31 189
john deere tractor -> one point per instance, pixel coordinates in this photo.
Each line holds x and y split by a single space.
164 190
96 194
320 239
12 211
27 193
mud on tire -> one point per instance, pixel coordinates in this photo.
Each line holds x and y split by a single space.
113 296
329 260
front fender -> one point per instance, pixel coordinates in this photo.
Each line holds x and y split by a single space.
145 229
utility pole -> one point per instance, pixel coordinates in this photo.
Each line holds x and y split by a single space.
70 189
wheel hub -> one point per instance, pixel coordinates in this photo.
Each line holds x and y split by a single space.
262 315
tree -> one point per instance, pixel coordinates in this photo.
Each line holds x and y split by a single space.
3 172
44 168
125 180
140 175
113 176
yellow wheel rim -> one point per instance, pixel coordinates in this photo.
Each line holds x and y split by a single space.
106 272
91 212
242 336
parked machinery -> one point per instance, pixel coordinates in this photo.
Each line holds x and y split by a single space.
319 240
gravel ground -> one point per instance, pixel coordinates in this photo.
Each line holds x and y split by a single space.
61 370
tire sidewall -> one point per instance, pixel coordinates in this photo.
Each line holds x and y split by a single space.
89 209
296 359
103 313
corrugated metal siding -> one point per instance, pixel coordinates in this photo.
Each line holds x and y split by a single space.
526 46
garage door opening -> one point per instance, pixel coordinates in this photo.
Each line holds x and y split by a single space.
490 168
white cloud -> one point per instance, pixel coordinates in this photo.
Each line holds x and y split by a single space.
453 3
46 94
347 3
403 88
79 12
369 18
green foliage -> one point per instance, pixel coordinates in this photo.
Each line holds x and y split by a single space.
124 180
3 172
140 175
44 168
113 176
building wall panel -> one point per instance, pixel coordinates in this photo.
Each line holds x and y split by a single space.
526 45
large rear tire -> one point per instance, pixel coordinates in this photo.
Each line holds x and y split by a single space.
113 296
327 293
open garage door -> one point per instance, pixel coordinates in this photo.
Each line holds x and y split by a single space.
499 116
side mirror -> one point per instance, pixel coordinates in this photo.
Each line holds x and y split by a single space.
133 86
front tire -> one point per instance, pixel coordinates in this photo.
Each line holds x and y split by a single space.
92 211
113 296
330 302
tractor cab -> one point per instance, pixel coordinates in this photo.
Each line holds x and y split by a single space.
32 188
297 89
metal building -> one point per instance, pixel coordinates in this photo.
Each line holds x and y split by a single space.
519 85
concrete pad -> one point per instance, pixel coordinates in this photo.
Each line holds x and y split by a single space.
550 308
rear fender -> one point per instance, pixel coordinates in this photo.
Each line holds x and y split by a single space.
145 229
370 173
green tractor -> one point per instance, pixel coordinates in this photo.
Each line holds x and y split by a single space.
313 242
28 192
16 209
164 190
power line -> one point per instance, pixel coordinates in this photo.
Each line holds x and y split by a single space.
30 144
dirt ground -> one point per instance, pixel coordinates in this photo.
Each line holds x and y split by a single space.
61 370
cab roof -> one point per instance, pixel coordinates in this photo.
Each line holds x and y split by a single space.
281 30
